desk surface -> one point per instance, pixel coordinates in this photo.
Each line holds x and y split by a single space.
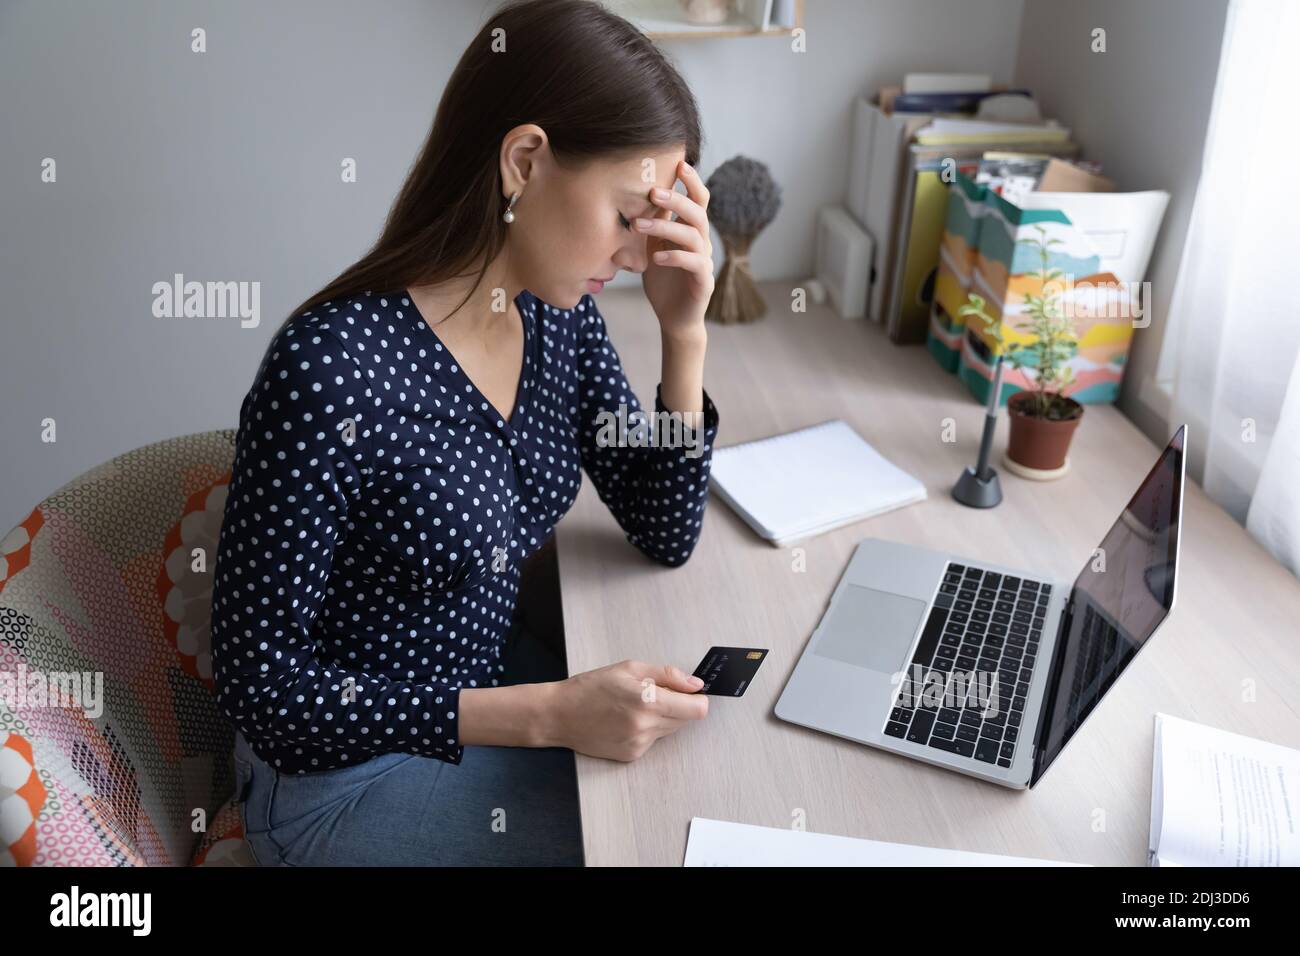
1228 656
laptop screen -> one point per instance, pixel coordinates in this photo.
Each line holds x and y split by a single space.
1119 598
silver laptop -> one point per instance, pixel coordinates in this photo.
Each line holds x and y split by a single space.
984 669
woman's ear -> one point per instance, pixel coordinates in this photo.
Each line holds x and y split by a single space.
524 151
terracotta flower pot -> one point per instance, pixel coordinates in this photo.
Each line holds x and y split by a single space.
1039 443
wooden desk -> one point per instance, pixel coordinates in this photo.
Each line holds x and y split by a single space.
1236 622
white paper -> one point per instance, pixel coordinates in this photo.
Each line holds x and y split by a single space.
1222 799
719 843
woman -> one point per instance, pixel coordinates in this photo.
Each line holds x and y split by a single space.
414 433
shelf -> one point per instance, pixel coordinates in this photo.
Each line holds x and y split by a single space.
665 20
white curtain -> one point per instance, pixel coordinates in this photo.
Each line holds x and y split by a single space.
1234 362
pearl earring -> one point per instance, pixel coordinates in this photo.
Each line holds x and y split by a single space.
510 210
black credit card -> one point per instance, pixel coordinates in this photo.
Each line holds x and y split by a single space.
727 671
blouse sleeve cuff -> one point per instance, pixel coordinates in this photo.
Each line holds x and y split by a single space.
445 729
710 424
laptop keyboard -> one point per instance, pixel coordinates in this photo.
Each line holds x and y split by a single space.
964 692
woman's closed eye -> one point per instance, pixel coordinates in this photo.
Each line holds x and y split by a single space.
626 225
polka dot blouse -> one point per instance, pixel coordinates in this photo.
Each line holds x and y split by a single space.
380 509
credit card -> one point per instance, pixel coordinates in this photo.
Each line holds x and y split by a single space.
728 671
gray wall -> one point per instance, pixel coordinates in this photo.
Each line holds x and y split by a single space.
225 166
1141 108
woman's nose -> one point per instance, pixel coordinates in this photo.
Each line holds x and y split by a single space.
633 256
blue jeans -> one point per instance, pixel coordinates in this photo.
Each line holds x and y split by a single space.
500 806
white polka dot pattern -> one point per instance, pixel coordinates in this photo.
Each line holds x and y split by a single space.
380 509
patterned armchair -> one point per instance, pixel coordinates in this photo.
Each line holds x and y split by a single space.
112 750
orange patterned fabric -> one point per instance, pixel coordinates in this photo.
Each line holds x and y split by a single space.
21 798
16 548
114 752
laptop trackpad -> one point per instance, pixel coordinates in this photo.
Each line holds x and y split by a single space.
871 629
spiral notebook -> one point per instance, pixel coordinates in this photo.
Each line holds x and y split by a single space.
793 486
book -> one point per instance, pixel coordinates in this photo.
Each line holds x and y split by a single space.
956 102
1221 799
948 130
722 843
875 184
946 82
802 483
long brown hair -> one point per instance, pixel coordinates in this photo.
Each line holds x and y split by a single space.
588 77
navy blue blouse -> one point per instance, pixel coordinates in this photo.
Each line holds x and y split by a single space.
380 508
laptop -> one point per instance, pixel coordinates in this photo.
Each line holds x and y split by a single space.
984 669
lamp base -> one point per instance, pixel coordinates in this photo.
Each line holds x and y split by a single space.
976 492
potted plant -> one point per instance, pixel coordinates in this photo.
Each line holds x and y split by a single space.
1043 418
